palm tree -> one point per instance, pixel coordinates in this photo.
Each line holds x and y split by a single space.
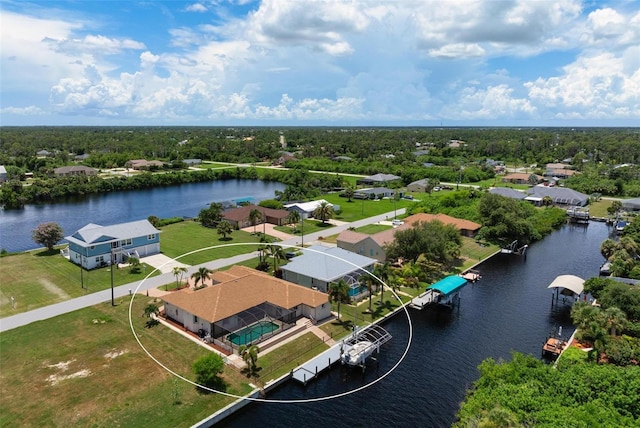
178 272
254 216
547 201
224 229
324 212
200 275
348 192
615 319
250 356
370 282
278 253
382 271
339 293
294 218
608 248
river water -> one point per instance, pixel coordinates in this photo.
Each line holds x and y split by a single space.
185 200
509 309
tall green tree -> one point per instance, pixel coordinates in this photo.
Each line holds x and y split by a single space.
209 217
208 369
339 293
294 218
178 272
254 216
249 355
382 271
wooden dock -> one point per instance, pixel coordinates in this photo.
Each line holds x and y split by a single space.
553 347
423 300
310 370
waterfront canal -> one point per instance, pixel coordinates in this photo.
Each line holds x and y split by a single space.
509 309
185 200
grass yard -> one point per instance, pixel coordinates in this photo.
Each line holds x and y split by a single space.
290 355
180 238
310 226
40 278
215 165
87 370
372 229
359 209
472 252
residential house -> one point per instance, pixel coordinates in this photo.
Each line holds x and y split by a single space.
559 195
69 171
305 209
3 174
192 162
44 153
94 245
142 164
319 266
466 227
243 297
507 192
419 185
368 245
378 180
559 170
522 178
632 205
239 217
377 192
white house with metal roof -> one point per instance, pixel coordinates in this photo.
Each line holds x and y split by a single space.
319 266
94 245
306 209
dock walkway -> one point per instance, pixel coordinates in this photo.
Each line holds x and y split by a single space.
309 370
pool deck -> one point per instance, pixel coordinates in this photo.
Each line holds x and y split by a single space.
309 370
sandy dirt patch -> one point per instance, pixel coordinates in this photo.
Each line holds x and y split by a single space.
115 354
54 289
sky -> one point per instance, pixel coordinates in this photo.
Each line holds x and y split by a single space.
320 63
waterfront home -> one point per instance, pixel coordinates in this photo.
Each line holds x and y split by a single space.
306 209
244 307
95 246
378 180
319 266
522 178
239 217
142 164
631 204
368 245
466 227
69 171
559 196
507 192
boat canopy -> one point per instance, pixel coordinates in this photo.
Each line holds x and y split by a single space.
569 282
449 284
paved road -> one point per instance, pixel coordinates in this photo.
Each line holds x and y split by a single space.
19 320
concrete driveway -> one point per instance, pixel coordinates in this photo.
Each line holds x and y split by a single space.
161 262
269 230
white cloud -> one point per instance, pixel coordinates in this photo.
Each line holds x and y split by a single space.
196 7
598 86
95 45
458 50
22 111
488 104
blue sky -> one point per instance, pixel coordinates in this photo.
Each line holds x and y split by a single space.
314 62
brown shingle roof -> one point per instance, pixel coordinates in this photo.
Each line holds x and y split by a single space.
249 288
242 213
459 223
351 237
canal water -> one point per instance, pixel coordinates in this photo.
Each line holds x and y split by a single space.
509 309
185 200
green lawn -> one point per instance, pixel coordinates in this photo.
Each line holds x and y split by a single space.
290 355
87 370
372 229
473 252
359 209
180 238
310 226
40 278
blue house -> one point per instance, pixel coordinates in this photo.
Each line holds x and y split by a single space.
94 245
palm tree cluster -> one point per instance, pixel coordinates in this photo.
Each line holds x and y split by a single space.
624 256
595 324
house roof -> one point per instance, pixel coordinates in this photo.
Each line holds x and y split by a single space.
558 166
521 176
507 192
3 170
422 182
570 282
459 223
74 168
308 207
327 263
374 190
558 194
351 237
631 203
242 213
245 289
93 233
381 178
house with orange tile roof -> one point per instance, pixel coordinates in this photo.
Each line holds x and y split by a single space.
243 306
466 227
522 178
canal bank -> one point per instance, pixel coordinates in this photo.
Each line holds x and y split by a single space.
507 310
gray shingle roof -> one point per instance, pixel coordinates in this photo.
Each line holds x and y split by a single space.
92 233
559 194
327 263
507 192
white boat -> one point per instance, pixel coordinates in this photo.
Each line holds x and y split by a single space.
358 353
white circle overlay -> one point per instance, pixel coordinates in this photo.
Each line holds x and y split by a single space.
268 400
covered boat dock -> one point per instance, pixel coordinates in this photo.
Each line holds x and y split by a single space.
445 292
569 286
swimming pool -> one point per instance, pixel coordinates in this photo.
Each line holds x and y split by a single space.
252 332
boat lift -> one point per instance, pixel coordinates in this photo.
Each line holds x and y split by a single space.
513 249
357 348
